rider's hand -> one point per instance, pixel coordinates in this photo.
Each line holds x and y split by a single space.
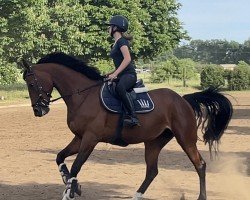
112 76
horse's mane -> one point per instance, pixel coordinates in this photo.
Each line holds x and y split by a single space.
72 63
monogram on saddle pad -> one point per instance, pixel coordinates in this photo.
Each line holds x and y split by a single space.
139 94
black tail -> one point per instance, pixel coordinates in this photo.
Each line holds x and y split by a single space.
214 111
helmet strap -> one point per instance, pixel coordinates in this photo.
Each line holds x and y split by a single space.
113 30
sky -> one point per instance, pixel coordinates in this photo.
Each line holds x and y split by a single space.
216 19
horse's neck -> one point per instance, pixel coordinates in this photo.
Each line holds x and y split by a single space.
68 82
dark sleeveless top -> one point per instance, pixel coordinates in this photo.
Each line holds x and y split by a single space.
117 56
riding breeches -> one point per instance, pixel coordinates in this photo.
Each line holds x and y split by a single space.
126 82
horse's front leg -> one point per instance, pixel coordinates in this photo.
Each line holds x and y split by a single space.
88 144
71 149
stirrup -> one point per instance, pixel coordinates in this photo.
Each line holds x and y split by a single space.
131 122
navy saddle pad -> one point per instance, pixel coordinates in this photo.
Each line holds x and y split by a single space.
142 101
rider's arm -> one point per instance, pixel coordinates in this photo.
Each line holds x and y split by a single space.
127 59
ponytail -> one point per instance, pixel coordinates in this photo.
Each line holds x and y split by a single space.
127 36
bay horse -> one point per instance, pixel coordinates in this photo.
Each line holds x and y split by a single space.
173 116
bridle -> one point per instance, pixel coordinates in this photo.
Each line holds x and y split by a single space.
43 102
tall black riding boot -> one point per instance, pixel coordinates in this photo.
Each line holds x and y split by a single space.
131 119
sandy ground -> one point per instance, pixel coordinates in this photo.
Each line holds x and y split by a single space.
29 146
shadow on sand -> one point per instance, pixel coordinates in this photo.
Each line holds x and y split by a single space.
35 191
168 159
239 130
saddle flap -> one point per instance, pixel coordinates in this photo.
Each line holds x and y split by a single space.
142 101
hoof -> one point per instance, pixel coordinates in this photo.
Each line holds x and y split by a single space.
67 195
79 190
202 198
182 197
138 196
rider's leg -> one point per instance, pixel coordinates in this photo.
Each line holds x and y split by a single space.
126 82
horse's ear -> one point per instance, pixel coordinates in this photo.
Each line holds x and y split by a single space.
26 65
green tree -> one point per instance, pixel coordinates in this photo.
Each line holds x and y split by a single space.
8 73
214 51
245 53
37 27
162 71
188 70
183 69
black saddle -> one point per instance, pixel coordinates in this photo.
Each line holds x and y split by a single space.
142 101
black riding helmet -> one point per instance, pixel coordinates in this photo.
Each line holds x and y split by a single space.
120 22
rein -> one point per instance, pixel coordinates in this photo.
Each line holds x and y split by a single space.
43 102
79 91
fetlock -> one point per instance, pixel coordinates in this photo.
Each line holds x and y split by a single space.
64 172
72 187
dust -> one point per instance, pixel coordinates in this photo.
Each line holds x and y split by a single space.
231 180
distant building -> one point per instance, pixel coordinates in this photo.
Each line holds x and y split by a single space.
142 70
138 70
228 66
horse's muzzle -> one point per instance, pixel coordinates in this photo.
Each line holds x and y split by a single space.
40 111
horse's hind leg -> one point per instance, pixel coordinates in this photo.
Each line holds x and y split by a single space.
200 167
152 151
69 150
188 144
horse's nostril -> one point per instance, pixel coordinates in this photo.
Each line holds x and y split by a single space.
40 111
36 111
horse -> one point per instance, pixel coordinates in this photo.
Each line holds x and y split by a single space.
173 116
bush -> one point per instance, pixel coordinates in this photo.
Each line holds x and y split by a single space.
212 75
8 73
239 78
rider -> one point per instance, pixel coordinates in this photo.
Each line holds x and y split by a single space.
125 68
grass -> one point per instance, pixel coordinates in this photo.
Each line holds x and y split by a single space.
174 84
18 93
15 93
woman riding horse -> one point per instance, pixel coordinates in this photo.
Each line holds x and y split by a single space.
125 69
173 116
